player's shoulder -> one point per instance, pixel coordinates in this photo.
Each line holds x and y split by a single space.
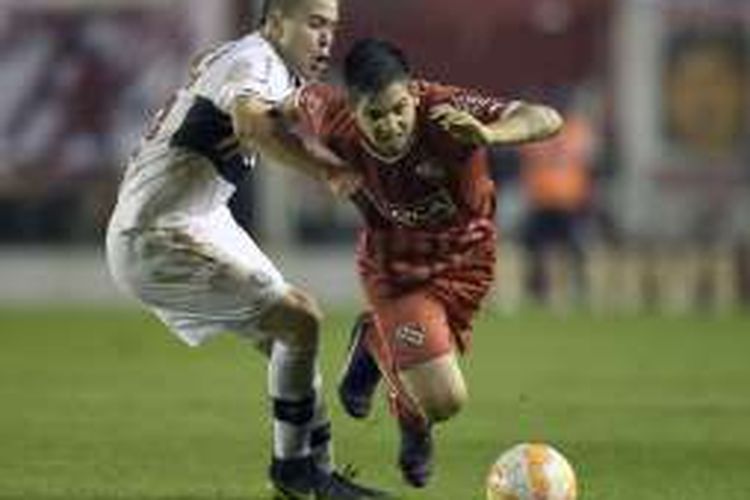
436 93
253 43
320 94
326 102
254 51
432 93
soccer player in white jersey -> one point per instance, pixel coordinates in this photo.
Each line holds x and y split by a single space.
174 245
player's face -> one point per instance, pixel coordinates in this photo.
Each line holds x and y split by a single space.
305 36
388 118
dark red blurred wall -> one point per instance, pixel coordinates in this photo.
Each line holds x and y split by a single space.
499 45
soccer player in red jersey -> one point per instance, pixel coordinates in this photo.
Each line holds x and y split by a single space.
426 256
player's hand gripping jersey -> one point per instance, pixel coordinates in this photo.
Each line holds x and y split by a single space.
429 212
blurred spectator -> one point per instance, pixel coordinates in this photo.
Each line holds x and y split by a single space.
556 179
705 90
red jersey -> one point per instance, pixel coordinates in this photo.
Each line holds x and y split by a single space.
429 212
437 182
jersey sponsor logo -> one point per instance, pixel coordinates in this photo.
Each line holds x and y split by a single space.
411 334
433 209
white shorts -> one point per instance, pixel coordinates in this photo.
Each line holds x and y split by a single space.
201 280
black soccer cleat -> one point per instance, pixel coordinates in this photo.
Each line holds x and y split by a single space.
339 486
415 455
300 479
293 479
361 375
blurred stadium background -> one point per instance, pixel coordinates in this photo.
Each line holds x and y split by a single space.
660 84
646 383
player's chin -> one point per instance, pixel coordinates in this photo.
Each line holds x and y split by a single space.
401 147
391 148
310 73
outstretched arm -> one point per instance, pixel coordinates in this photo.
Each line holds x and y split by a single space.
260 127
267 129
519 124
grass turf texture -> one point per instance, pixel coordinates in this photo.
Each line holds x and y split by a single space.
107 404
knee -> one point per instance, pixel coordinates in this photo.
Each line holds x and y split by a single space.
437 387
305 319
445 405
296 320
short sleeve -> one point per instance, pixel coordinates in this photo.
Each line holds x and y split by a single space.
484 107
250 74
250 77
247 76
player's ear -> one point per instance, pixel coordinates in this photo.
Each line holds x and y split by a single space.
414 91
273 25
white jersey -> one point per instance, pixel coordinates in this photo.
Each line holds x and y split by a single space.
172 241
167 186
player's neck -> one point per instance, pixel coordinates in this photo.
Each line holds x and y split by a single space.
265 34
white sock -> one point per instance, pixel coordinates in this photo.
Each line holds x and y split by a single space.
320 431
291 376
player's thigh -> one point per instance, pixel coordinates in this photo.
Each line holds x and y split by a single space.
196 283
422 345
293 316
415 328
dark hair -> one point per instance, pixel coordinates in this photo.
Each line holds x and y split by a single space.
284 6
371 65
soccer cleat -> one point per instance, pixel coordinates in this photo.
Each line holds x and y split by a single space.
293 479
415 455
299 479
339 486
361 374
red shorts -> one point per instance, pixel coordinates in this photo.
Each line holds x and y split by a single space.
414 329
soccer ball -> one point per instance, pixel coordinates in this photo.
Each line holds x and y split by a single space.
531 471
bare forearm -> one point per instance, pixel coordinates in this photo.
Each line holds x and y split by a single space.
291 151
527 123
260 129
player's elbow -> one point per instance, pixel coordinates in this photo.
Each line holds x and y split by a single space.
551 120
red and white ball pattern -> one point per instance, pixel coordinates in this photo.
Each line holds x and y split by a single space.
531 471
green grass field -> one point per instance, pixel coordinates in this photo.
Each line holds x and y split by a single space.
107 404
